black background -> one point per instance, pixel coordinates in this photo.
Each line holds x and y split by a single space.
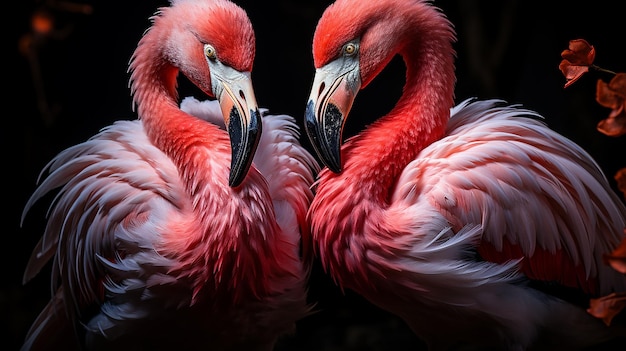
74 81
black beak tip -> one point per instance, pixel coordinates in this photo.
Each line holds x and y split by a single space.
235 180
335 168
244 141
326 146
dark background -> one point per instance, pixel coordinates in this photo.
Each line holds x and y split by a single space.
67 84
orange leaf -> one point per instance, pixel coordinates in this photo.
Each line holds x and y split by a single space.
572 73
617 258
618 85
613 96
613 126
579 53
605 95
607 307
576 60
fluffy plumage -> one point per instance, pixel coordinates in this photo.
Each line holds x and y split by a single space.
454 218
154 243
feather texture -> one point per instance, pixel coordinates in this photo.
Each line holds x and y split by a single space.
152 246
457 218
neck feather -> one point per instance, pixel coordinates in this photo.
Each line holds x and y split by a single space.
358 197
377 156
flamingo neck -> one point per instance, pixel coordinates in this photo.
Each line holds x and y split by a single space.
187 140
225 238
375 158
357 198
201 153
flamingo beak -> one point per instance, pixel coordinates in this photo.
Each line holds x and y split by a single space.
333 92
243 122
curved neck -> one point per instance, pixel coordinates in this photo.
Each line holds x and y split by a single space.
201 153
378 155
357 198
184 138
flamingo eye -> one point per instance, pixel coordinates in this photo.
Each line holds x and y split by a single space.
350 49
209 52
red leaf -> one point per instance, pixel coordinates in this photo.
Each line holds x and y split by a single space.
576 60
613 96
618 85
607 307
613 127
617 258
572 73
605 96
579 53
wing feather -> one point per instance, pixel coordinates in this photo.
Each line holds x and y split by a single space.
85 217
494 168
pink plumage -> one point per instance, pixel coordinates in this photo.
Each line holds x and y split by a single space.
453 217
184 228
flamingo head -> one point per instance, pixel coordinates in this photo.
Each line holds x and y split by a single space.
214 47
352 44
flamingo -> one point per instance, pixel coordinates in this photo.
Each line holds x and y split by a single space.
186 227
462 220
